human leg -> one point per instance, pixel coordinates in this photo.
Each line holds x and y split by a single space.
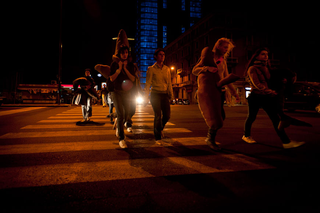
270 108
211 139
156 105
84 112
89 107
253 109
165 109
118 103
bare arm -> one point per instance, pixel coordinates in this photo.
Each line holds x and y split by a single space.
115 75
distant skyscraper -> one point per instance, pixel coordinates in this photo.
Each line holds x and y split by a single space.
159 22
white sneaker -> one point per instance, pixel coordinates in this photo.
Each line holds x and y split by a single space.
123 144
292 144
129 129
248 139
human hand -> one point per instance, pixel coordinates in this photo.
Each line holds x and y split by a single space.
120 65
212 69
237 98
271 92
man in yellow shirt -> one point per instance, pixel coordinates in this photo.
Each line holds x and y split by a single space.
159 77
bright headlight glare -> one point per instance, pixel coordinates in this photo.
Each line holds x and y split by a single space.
139 100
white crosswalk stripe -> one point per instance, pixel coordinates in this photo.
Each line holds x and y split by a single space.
14 111
70 126
63 126
113 170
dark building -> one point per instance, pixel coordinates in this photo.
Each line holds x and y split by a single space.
159 22
247 34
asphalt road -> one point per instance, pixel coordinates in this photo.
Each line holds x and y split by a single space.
50 164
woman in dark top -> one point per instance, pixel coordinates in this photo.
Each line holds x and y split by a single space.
258 75
122 77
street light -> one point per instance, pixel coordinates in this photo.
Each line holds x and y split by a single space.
172 68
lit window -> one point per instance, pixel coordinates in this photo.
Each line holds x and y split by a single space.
164 5
183 5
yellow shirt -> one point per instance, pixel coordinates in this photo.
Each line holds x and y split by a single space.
159 79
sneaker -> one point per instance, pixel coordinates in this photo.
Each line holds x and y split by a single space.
129 129
292 144
213 145
123 144
159 142
248 139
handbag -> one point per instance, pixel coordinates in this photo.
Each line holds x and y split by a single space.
76 99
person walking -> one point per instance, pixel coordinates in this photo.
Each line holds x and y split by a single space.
159 77
110 104
213 75
104 95
261 96
122 77
85 94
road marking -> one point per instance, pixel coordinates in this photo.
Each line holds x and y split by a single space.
57 174
71 126
168 164
79 114
82 133
14 111
95 145
94 116
107 120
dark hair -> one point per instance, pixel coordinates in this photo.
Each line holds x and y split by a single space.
157 52
253 58
122 49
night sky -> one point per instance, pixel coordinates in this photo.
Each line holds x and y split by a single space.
87 29
89 25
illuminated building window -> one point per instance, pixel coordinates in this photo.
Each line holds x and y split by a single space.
195 9
164 36
147 34
183 5
164 4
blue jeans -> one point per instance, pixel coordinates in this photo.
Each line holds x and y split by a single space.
161 107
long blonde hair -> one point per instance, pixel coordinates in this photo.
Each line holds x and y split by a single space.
221 41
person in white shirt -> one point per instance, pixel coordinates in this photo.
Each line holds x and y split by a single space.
159 77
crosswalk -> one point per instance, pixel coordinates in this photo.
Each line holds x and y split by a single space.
14 111
60 135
